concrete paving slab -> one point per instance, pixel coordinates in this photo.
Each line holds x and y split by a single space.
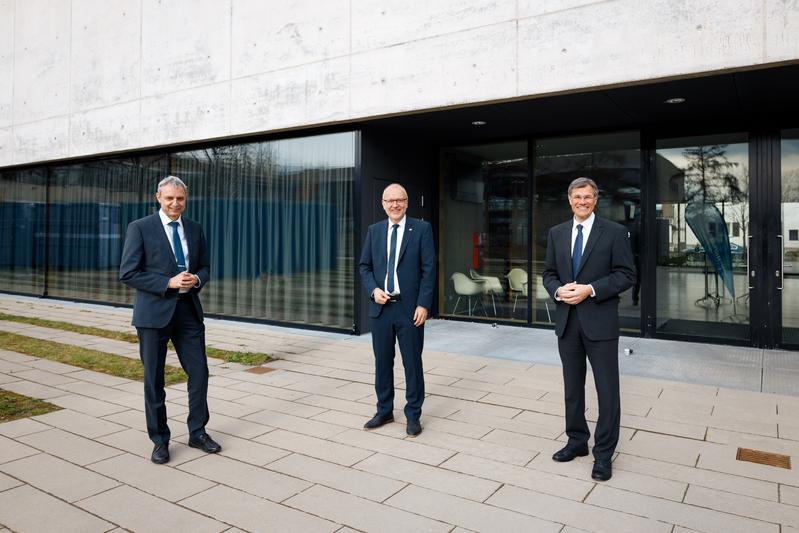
162 481
28 509
252 479
11 450
67 446
360 513
23 426
57 477
468 514
376 486
252 513
137 511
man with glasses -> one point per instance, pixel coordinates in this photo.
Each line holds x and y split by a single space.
398 270
588 264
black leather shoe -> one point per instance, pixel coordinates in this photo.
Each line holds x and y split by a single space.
414 428
160 454
602 470
205 443
567 453
379 420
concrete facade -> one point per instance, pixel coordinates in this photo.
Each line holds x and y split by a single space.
85 77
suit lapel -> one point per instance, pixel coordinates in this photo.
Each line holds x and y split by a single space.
380 254
405 238
158 229
566 250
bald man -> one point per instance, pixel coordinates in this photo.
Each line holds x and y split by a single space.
398 269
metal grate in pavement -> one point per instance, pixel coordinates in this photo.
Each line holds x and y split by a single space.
764 458
260 370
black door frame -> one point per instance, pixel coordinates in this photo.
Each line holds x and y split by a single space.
765 234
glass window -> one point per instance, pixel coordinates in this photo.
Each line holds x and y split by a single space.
789 213
22 235
278 217
483 231
613 161
91 205
702 184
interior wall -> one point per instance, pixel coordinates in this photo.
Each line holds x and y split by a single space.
387 158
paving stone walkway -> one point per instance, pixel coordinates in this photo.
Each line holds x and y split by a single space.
296 457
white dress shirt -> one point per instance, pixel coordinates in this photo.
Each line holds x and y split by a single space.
587 224
400 233
165 220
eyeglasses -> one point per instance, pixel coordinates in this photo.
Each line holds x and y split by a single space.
398 201
580 197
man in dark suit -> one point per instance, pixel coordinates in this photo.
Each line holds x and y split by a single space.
165 259
588 264
398 269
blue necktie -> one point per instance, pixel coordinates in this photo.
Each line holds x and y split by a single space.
577 253
177 246
392 259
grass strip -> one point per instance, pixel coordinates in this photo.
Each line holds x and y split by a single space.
66 326
14 406
244 358
111 364
229 356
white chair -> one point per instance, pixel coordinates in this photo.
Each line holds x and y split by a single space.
541 294
467 287
491 286
517 279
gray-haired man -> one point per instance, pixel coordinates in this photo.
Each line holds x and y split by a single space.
165 258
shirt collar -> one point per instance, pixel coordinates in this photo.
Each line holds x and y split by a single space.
588 223
165 220
401 223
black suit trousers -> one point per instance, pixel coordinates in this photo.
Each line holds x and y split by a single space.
392 326
574 347
187 333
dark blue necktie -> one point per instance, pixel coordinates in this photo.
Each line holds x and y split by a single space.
392 259
177 246
577 253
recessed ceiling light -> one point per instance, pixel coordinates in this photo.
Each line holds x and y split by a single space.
478 123
676 100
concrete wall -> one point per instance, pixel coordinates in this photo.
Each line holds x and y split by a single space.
81 77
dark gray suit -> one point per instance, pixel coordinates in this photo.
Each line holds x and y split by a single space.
161 314
591 328
393 321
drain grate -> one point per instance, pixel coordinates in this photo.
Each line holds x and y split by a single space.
764 458
260 370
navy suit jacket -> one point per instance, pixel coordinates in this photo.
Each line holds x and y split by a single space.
148 262
416 264
607 264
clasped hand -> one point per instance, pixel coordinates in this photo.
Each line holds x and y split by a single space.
573 293
184 280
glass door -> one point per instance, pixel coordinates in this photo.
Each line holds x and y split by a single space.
702 217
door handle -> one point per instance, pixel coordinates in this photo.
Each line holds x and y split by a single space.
781 272
750 274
